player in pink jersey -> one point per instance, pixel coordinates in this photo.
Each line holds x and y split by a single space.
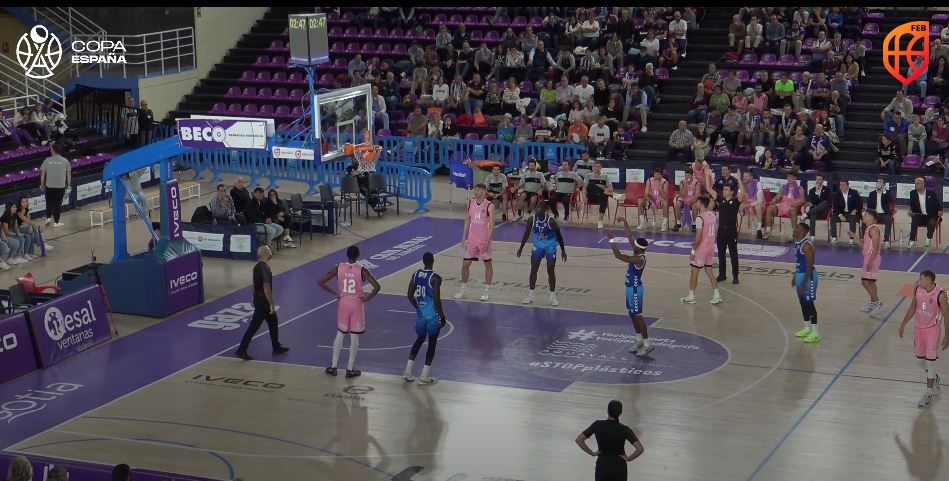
752 203
871 261
479 230
657 198
787 203
689 190
703 250
930 305
351 316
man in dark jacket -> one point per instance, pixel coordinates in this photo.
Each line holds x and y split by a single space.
239 194
847 207
256 213
881 204
925 210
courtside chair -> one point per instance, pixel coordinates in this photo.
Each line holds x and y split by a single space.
634 192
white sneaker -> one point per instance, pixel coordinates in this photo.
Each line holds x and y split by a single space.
288 239
529 299
599 224
460 293
644 129
886 244
49 221
877 310
867 308
485 296
833 241
553 300
911 244
644 349
928 241
14 261
851 243
29 257
58 224
4 265
48 247
665 227
635 347
924 401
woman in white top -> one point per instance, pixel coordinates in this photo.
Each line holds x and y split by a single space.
650 48
510 97
435 126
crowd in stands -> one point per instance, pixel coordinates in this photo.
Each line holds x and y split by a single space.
588 76
40 124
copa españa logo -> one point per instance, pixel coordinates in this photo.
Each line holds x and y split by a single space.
915 37
39 52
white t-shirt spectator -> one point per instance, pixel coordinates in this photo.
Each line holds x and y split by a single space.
650 48
678 27
590 28
440 92
599 134
583 93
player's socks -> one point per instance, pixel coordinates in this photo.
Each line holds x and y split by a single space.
353 349
337 348
530 297
461 292
425 378
815 329
487 294
407 375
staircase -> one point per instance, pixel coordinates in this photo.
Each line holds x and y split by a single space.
707 44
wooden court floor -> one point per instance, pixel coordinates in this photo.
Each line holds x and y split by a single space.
738 396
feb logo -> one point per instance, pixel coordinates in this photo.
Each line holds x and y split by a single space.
909 42
39 52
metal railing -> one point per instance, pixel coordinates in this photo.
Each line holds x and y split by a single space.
68 20
18 89
155 53
433 153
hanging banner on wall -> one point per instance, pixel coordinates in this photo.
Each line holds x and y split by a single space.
293 153
222 134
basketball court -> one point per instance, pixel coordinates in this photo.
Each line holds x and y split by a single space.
729 393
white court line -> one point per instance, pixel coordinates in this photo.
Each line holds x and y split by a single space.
401 312
917 261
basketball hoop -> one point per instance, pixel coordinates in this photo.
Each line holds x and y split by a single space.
365 154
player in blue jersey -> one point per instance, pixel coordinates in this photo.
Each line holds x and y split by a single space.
805 282
546 237
425 294
635 289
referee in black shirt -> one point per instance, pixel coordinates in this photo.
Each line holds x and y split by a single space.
264 307
611 437
728 207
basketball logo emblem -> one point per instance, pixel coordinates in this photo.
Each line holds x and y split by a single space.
909 42
39 52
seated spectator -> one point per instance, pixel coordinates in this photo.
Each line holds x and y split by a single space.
223 208
680 142
711 78
774 35
719 100
736 34
21 137
277 209
492 101
38 119
916 136
759 100
506 129
420 80
601 94
449 129
511 98
921 83
584 91
880 202
589 113
379 110
599 136
578 133
434 128
649 83
21 120
637 100
924 210
899 104
514 65
940 137
524 131
896 127
805 122
612 114
753 34
740 100
677 33
766 160
765 129
851 69
732 128
418 124
538 60
621 142
699 104
938 77
669 57
565 64
27 226
819 150
484 60
440 93
456 94
590 32
798 145
840 84
783 91
256 213
649 52
702 141
614 47
820 93
240 194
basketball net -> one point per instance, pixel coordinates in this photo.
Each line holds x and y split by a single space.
366 155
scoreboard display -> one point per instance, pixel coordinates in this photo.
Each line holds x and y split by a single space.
308 39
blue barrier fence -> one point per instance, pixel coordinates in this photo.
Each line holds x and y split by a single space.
414 183
433 153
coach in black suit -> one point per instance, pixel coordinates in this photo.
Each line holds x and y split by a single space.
847 207
925 213
880 203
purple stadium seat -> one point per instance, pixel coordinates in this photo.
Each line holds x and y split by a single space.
350 32
410 34
280 94
297 94
915 100
871 30
262 61
847 42
490 137
802 61
338 47
662 73
250 109
266 111
935 30
758 75
875 16
276 46
326 80
384 133
519 22
938 17
785 61
808 44
396 33
476 37
263 77
868 44
335 32
340 63
914 162
472 20
365 33
535 22
455 20
249 93
931 101
352 48
768 60
527 87
234 109
384 49
282 111
233 92
749 60
428 34
219 108
248 76
471 136
333 17
368 48
265 93
296 78
279 78
297 112
742 76
381 33
503 21
795 77
399 49
347 18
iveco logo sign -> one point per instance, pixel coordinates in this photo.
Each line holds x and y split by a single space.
183 280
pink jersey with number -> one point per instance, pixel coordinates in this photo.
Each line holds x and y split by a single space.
709 229
654 189
699 171
928 313
349 280
691 188
480 222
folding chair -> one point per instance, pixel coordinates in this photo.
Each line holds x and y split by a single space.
634 191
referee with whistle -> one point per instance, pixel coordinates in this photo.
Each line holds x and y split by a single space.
728 206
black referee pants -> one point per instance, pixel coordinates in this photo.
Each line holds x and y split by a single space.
261 314
727 239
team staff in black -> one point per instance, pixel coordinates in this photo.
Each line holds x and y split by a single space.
847 207
726 179
817 204
264 307
727 238
611 437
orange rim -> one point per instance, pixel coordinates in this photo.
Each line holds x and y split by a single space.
368 152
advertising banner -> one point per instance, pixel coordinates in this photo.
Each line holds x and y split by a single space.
70 324
183 280
173 194
222 134
292 153
16 348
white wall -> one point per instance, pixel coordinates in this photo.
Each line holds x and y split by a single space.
163 93
218 29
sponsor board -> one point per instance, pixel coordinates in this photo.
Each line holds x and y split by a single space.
70 324
635 175
239 243
183 280
612 173
222 134
17 356
89 189
173 204
863 187
599 354
292 153
903 189
207 241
